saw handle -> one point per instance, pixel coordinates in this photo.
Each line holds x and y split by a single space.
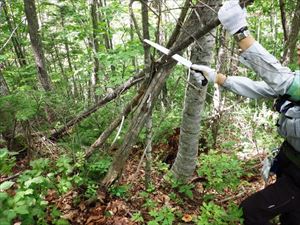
204 80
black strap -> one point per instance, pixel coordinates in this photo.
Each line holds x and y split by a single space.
281 100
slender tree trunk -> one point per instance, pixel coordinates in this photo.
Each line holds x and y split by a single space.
4 90
7 120
148 152
289 52
35 38
147 62
202 52
114 124
106 35
283 19
67 48
221 67
95 44
15 39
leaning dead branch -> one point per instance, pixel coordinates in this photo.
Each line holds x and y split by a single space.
109 97
103 137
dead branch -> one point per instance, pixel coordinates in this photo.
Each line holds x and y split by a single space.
109 97
103 137
11 177
179 24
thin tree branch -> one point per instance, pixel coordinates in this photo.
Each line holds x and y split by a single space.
136 26
179 24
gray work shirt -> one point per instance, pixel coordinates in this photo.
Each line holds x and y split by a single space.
276 79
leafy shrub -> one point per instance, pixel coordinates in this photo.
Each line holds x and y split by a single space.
216 215
163 216
28 204
7 161
98 168
119 191
221 170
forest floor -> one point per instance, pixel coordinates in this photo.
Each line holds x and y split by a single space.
118 207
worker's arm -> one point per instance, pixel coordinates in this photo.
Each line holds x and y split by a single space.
240 85
254 56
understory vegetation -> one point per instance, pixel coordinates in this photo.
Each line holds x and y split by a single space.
90 116
48 190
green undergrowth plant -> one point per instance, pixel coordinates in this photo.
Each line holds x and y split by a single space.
8 161
162 216
120 191
214 214
221 170
179 185
137 217
29 204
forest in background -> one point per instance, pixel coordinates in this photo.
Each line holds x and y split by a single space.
99 128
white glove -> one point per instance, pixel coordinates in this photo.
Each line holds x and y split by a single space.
208 72
232 16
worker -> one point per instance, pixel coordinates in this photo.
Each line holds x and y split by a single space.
282 197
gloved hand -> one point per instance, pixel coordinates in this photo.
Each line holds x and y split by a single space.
208 72
232 16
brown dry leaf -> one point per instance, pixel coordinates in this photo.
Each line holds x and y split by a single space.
101 196
51 195
93 219
82 206
121 221
70 215
67 207
117 207
187 218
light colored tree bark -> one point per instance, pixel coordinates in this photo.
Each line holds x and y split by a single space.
36 43
202 52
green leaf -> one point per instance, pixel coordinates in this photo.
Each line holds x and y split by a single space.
22 210
9 214
6 185
3 196
35 180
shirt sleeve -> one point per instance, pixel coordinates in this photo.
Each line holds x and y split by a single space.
249 88
278 77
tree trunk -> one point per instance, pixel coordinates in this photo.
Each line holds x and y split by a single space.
148 153
35 38
15 40
185 162
293 36
106 35
95 44
222 62
283 19
4 90
7 119
67 48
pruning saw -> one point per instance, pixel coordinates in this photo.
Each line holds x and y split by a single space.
187 63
